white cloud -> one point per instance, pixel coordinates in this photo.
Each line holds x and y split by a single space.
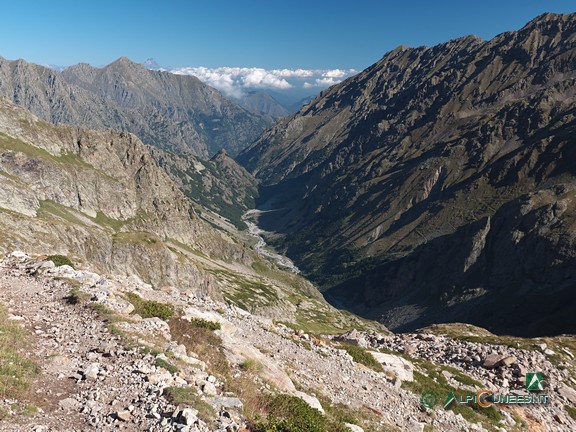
236 81
322 82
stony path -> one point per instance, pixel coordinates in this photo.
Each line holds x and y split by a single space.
86 376
88 379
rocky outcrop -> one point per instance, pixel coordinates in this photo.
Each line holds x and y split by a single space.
165 110
99 196
429 149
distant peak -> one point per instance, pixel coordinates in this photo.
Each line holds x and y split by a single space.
124 61
150 63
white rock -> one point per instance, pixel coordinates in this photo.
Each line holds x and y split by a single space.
69 404
310 400
189 415
91 372
353 427
399 366
209 389
124 415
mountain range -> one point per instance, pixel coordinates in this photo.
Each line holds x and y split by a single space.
438 184
173 112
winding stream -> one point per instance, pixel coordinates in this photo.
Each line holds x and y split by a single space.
254 231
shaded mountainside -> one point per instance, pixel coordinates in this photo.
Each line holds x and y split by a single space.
102 199
442 176
168 111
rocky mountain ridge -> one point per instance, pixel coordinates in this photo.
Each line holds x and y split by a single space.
174 112
429 179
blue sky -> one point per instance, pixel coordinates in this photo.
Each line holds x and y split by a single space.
267 34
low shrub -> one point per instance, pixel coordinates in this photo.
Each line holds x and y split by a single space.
291 414
360 355
202 323
60 260
150 308
571 411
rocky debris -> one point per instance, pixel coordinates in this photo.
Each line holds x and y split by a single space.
496 367
96 381
108 386
353 337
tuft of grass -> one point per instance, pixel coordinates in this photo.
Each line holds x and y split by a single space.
76 296
16 371
188 396
362 356
571 411
291 414
150 308
251 365
60 260
168 366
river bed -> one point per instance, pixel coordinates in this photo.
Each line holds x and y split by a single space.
254 231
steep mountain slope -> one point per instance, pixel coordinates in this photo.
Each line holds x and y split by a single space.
165 110
101 198
436 174
220 184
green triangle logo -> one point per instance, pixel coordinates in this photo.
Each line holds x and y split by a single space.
449 399
534 381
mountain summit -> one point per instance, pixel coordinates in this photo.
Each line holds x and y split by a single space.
438 184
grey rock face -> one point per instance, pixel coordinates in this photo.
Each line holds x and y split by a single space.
101 196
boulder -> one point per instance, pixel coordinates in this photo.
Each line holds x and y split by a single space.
567 393
225 403
353 427
397 365
495 360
